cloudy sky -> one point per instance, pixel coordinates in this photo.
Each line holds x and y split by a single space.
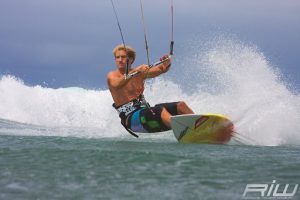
65 43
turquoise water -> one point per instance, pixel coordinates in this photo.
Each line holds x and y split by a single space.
42 167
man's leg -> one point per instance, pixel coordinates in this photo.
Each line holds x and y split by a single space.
166 117
182 108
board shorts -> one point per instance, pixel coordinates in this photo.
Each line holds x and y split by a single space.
148 120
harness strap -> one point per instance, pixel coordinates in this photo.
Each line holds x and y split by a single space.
128 108
123 122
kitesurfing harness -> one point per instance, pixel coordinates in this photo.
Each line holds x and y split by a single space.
129 108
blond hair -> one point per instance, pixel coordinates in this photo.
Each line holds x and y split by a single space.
129 51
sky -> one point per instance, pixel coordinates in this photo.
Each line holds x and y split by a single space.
68 43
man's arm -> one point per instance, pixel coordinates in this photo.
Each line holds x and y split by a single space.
159 69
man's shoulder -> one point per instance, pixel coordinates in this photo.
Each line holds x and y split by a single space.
114 73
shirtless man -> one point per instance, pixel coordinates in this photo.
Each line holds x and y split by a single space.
127 92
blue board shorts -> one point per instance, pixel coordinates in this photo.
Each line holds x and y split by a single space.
148 120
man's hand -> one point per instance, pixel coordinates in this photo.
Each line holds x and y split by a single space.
164 57
166 63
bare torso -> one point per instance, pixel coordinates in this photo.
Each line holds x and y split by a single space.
129 91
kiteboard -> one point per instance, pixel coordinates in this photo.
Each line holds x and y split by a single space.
206 128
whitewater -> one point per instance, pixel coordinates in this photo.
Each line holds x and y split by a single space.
221 76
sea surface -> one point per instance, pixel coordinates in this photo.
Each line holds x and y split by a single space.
43 167
68 143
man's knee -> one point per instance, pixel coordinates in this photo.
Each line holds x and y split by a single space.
181 105
166 117
165 113
183 108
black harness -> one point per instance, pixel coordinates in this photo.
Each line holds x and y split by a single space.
128 109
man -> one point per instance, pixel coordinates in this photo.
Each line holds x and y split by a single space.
127 92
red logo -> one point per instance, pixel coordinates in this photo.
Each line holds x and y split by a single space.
200 121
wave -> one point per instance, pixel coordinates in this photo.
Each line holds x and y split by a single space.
223 76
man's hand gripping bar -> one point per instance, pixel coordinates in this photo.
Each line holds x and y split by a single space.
161 61
129 76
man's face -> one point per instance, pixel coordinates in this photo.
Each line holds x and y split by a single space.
121 59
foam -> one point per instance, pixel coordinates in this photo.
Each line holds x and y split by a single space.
225 76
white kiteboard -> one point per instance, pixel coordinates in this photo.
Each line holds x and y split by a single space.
206 128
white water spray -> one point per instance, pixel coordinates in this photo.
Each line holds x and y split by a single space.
227 77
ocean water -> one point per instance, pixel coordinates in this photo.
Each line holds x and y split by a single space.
67 143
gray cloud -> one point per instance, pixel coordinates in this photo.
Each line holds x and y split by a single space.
38 36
